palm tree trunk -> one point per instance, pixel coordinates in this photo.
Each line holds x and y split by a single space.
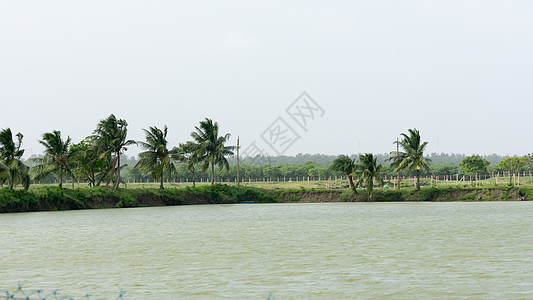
161 186
399 180
212 174
418 180
352 185
118 170
193 179
61 182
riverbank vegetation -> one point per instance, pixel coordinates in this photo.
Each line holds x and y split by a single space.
49 198
99 161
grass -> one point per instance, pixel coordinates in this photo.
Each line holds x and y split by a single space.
408 183
50 197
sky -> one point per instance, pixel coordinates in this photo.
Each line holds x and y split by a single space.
460 72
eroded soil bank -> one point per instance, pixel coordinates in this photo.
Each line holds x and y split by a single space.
53 198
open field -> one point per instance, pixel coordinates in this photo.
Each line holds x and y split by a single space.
443 181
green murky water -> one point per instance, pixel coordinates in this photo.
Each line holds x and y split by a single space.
287 251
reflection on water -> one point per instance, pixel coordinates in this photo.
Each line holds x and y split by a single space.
291 251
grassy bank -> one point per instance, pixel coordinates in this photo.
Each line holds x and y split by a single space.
52 198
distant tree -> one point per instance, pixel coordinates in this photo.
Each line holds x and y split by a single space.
368 171
57 159
445 169
528 161
110 138
12 169
274 171
188 154
474 165
347 166
211 147
412 156
511 164
90 166
157 158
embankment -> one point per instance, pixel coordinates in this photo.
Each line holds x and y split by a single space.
53 198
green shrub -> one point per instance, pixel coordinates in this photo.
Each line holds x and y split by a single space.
468 197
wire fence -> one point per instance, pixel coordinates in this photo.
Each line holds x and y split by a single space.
21 294
339 182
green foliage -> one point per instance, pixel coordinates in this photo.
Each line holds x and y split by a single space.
89 165
512 164
368 171
57 160
389 195
412 156
346 195
12 169
54 198
157 158
347 166
426 194
468 197
505 195
474 164
211 149
110 139
528 161
188 153
12 200
526 193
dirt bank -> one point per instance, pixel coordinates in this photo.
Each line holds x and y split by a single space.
53 198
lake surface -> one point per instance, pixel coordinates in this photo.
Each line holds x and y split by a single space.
288 251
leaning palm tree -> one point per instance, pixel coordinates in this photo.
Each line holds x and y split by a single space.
157 158
211 149
57 159
3 173
188 154
12 169
347 166
368 171
110 138
412 157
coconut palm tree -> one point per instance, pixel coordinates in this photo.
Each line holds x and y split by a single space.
12 169
368 171
211 149
347 166
157 158
57 159
412 156
188 154
110 138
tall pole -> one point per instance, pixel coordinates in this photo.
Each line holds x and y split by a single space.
238 176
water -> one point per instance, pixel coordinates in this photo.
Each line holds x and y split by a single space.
288 251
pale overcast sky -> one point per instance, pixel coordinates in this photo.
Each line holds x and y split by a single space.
459 71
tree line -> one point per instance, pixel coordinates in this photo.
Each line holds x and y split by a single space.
98 160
